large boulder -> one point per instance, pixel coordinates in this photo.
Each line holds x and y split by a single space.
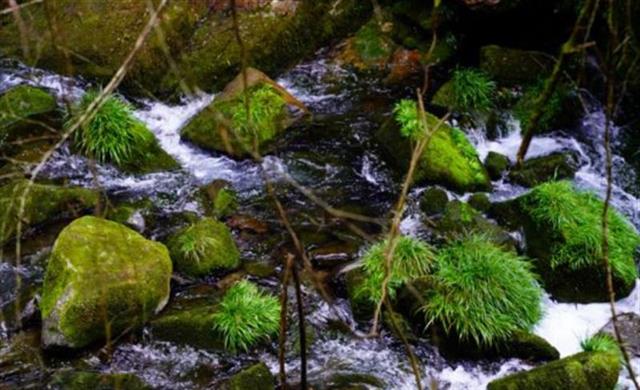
42 203
449 158
203 247
584 371
537 170
224 126
102 279
198 38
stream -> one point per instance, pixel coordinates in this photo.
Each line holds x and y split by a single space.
334 155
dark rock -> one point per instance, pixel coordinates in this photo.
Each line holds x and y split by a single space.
556 166
87 380
496 164
433 201
513 66
480 201
584 371
256 377
629 327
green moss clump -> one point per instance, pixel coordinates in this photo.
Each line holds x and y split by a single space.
114 135
42 203
412 258
245 316
468 91
202 247
602 342
573 219
583 371
20 105
102 279
449 158
371 44
226 125
256 377
482 294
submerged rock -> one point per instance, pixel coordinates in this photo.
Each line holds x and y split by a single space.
42 203
225 126
88 380
584 371
100 273
203 247
449 158
256 377
556 166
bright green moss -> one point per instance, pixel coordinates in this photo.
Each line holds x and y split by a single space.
481 293
412 258
115 136
43 203
601 342
245 316
20 104
203 247
469 90
225 203
102 278
574 218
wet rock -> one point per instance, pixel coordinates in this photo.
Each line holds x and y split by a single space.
223 126
332 254
351 381
496 165
584 371
449 159
132 214
556 166
361 307
433 201
370 49
256 377
87 380
460 218
246 222
101 272
259 269
23 109
480 201
219 199
628 325
42 204
203 247
191 326
510 66
21 362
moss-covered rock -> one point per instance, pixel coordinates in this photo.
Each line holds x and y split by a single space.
369 49
256 377
563 110
361 307
349 380
556 166
22 107
514 66
191 326
480 201
496 164
433 201
102 278
203 247
218 199
88 380
226 126
42 203
460 218
562 232
584 371
132 214
449 158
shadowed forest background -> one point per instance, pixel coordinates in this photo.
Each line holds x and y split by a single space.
329 194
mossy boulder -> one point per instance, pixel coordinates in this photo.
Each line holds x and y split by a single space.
101 273
537 170
496 165
433 201
225 125
480 201
563 110
509 66
460 218
449 158
88 380
152 159
218 199
256 377
563 236
370 49
43 203
191 326
203 247
584 371
22 108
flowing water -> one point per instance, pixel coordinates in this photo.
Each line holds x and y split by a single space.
335 156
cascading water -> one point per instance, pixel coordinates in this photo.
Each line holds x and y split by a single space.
329 91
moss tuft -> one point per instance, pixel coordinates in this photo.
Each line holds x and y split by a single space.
468 91
202 247
481 293
602 342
